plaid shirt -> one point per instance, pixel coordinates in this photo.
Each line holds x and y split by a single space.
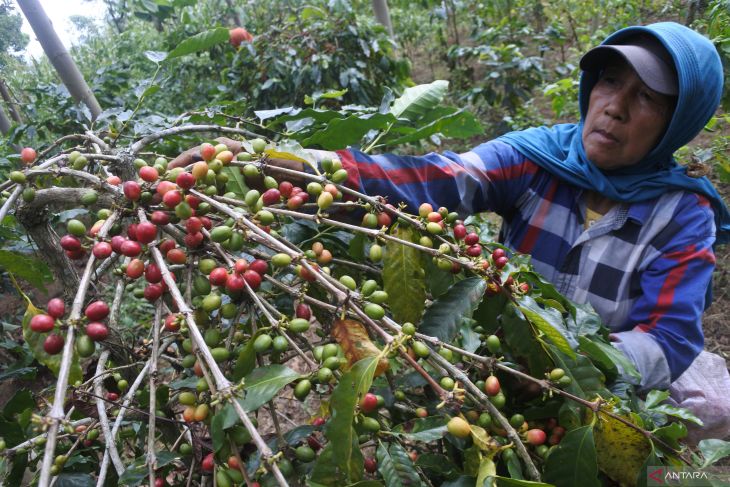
644 267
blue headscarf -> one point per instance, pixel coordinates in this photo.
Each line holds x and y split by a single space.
559 149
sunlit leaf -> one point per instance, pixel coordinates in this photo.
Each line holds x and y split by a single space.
199 42
403 277
263 383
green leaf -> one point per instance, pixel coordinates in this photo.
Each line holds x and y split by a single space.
546 321
352 385
713 451
396 466
573 463
75 480
438 464
424 429
608 356
418 100
672 433
264 383
35 343
652 460
654 398
403 277
342 132
30 269
681 413
443 318
222 420
487 468
199 42
235 183
246 360
21 401
520 337
458 125
325 472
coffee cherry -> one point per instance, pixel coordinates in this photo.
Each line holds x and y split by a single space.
492 386
132 190
369 403
70 243
271 196
494 344
302 389
471 239
146 232
208 463
252 278
500 262
303 311
421 412
218 276
42 323
172 322
557 374
53 344
102 250
56 308
97 311
260 266
153 292
536 437
135 268
185 180
28 155
130 248
370 465
97 331
458 427
459 232
149 174
75 228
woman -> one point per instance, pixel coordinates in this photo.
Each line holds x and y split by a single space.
606 213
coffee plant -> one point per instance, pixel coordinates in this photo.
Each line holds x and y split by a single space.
298 332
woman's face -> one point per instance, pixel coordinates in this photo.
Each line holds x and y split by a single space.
625 118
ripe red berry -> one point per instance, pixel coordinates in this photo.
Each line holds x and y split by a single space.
285 188
164 187
384 219
434 217
114 180
471 238
153 273
497 253
294 202
185 180
130 248
132 231
492 386
206 222
75 254
241 266
53 344
253 279
474 250
56 307
370 464
166 245
117 241
271 196
369 403
146 232
97 311
234 283
159 482
501 262
218 276
42 323
153 292
159 217
28 155
536 437
70 243
318 421
97 331
303 311
102 250
459 231
132 190
176 256
208 463
148 173
260 266
193 240
135 268
112 396
193 224
172 198
313 443
238 35
207 151
172 322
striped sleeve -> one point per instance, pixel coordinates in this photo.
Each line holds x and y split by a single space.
673 295
490 177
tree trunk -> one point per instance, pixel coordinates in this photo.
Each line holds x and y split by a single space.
382 14
12 106
4 122
59 55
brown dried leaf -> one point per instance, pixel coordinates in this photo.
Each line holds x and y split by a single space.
356 344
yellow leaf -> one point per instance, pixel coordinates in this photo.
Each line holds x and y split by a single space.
621 450
356 344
